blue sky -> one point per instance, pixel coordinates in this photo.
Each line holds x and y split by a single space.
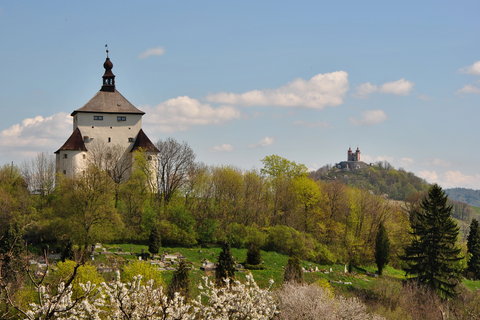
239 81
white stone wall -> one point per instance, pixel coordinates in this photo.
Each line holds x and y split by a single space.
108 130
74 163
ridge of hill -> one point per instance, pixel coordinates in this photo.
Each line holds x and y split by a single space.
469 196
380 178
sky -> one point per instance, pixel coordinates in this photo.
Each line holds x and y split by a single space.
241 80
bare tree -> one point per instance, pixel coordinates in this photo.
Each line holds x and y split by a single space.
39 173
114 160
175 161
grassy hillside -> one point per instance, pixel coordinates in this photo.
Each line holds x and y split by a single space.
382 179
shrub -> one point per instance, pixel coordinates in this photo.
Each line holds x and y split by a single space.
297 301
144 269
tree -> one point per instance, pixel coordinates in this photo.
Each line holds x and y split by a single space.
180 281
225 268
84 205
12 251
473 246
175 162
293 271
39 174
154 241
382 248
253 254
432 255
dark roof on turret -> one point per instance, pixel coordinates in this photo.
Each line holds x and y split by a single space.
108 102
74 142
143 142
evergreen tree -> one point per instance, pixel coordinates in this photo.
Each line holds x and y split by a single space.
253 255
67 252
180 281
382 248
154 241
432 256
293 270
473 245
226 266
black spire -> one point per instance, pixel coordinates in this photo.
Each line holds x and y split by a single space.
108 76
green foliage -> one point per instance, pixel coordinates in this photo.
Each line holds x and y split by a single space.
173 235
473 245
144 269
240 236
253 254
276 166
225 268
85 273
208 231
12 252
180 281
293 271
154 241
382 248
432 256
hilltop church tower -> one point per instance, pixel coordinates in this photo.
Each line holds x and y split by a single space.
107 120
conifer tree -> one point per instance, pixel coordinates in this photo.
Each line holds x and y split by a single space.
67 252
382 248
253 255
154 241
432 255
293 271
225 268
473 246
180 281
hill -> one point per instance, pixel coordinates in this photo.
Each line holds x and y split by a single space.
469 196
380 178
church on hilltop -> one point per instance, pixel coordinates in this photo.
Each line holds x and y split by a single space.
353 161
107 123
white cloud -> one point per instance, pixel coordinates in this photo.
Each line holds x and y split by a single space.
320 91
370 117
405 162
452 179
267 141
311 124
399 87
469 89
33 135
223 148
158 51
179 114
430 176
472 69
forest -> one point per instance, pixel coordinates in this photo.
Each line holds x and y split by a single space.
178 202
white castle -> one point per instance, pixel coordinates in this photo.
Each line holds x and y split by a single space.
107 122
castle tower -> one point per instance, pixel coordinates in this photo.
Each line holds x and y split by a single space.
107 120
349 154
357 154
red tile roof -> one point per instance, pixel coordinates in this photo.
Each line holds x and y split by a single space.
74 142
143 142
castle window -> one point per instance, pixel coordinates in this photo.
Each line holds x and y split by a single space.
85 138
64 171
65 156
109 139
84 156
97 117
131 140
149 158
121 118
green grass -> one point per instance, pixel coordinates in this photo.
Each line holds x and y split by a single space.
471 284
